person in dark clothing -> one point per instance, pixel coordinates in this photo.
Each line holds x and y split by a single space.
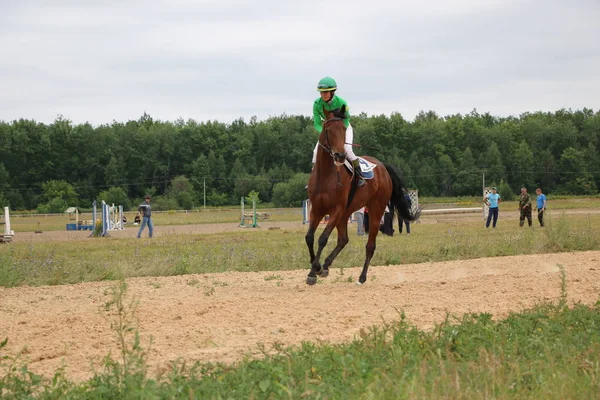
524 207
387 226
146 211
402 221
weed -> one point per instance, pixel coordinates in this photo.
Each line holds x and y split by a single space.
193 282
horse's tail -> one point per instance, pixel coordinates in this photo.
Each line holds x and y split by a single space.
398 200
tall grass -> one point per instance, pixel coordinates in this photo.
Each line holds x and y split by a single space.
40 263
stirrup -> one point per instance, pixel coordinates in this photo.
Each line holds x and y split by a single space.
360 181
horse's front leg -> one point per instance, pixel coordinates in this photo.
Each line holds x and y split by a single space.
342 228
316 268
310 237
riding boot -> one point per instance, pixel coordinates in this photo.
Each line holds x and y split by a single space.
360 181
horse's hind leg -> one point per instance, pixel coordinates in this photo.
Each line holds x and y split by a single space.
374 219
342 241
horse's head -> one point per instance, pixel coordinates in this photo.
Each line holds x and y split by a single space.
333 136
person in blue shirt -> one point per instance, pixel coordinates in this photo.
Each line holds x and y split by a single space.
492 200
541 205
146 210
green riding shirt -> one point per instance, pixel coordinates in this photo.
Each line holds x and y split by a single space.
319 115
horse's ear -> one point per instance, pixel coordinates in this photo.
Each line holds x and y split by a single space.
326 113
343 111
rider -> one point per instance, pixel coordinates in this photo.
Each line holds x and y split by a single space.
330 101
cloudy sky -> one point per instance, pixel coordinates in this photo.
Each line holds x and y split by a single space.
105 60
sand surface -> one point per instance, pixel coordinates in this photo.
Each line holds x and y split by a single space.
220 317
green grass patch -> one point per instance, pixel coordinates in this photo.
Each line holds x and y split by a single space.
232 215
98 259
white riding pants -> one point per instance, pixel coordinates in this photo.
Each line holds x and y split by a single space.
347 147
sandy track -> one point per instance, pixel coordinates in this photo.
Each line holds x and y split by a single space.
219 317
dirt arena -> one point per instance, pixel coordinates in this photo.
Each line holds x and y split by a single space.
221 317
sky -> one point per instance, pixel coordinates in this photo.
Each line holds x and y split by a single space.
102 60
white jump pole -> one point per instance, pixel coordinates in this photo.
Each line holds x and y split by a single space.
305 211
8 233
7 230
121 218
105 219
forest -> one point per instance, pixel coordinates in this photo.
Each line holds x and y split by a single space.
183 164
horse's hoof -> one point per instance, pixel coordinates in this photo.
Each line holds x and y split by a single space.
358 284
324 273
311 280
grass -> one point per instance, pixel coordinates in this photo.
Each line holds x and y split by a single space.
548 352
215 216
58 222
554 203
42 263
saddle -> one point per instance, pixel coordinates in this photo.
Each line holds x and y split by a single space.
366 167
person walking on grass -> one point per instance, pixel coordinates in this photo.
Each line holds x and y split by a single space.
360 221
146 210
404 221
541 205
492 200
524 207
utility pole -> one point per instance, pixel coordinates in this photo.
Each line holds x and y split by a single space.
483 180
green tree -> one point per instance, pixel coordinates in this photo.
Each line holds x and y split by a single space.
183 192
216 199
291 193
4 182
427 178
115 195
575 178
200 174
59 189
505 191
3 202
4 185
54 206
523 169
446 172
113 172
495 171
468 181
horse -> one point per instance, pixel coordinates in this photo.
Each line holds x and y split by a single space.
332 190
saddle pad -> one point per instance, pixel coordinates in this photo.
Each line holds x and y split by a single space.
365 166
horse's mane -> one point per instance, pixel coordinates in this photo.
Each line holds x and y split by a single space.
340 112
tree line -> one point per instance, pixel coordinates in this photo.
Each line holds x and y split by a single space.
178 161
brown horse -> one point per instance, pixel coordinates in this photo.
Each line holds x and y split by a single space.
332 190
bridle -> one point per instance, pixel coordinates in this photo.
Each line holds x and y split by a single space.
327 145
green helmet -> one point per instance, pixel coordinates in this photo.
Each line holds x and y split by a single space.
327 84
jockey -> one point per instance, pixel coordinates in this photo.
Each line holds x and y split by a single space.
330 101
